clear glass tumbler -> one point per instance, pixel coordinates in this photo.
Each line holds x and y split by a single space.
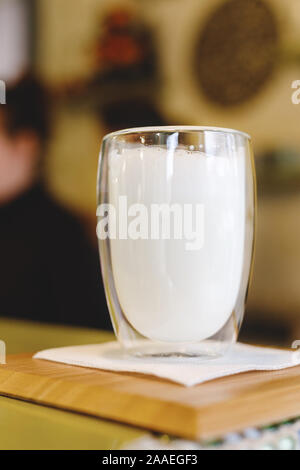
176 217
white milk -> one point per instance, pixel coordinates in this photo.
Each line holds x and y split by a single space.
166 292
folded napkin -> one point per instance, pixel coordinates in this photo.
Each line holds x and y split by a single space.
185 371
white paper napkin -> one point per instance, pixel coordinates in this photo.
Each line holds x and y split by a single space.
185 371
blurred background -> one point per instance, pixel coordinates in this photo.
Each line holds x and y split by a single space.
230 63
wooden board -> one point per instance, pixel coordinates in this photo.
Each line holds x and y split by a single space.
206 411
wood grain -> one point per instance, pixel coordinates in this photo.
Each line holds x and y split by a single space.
202 412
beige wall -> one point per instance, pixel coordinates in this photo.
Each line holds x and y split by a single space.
269 116
66 32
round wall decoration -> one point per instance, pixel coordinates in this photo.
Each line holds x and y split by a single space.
236 51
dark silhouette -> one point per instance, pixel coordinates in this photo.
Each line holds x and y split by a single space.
48 270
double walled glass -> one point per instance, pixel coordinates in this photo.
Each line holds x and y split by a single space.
176 217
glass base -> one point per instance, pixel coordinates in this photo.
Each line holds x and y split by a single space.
203 351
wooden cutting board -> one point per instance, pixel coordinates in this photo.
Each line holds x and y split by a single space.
202 412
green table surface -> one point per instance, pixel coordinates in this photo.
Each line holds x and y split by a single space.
29 426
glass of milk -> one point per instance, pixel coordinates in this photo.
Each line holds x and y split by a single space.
176 216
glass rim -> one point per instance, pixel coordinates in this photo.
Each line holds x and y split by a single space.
158 129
